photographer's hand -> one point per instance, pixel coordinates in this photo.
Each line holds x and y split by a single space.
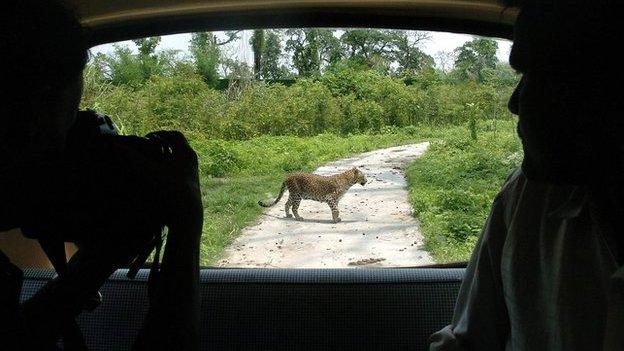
179 177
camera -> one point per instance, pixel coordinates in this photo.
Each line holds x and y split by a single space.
90 123
104 193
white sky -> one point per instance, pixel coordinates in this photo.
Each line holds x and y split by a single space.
439 42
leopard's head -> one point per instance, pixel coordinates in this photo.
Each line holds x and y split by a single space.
359 176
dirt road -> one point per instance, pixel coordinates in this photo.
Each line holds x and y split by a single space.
377 227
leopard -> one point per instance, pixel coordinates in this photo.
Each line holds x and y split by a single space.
309 186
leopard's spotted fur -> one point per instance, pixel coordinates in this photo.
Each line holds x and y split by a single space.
307 186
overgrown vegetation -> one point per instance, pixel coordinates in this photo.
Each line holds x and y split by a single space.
364 90
344 100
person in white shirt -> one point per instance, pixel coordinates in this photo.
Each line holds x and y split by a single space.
546 273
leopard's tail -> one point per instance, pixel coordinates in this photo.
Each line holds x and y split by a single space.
269 204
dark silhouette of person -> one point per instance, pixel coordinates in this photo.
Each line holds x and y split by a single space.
108 194
546 272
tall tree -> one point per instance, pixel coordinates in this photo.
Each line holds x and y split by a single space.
257 46
147 55
304 46
147 46
407 53
204 48
445 60
368 46
205 52
474 57
124 67
330 48
121 67
271 60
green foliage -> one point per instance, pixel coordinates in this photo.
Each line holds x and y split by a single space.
271 66
426 78
458 103
219 157
368 46
407 53
304 46
501 75
400 105
206 54
147 46
189 110
252 113
346 99
310 109
94 86
310 52
123 67
378 49
120 68
330 50
257 43
360 115
474 57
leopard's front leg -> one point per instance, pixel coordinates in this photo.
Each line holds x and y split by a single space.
333 205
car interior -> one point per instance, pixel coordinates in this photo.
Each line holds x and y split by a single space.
283 309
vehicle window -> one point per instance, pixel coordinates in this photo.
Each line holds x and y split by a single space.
412 126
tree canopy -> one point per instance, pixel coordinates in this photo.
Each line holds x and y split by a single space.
301 52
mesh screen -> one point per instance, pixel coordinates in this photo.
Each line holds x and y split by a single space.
286 309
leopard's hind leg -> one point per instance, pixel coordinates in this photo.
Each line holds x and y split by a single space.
295 208
287 207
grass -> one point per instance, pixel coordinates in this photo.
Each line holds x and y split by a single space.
453 184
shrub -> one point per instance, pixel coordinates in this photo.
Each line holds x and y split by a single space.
257 111
184 104
218 158
310 109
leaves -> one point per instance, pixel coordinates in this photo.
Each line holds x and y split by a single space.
206 55
474 57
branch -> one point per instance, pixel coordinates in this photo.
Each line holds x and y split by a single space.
231 37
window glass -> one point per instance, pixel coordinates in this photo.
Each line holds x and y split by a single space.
411 126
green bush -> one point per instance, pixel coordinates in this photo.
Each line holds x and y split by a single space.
310 109
369 115
255 112
218 159
178 103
